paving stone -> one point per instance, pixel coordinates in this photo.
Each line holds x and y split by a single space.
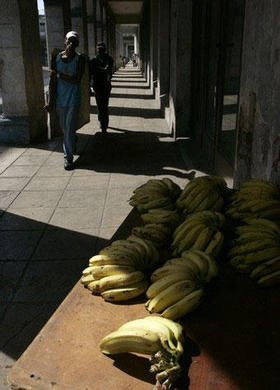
35 199
47 183
49 281
90 199
6 363
20 171
88 183
53 171
10 273
26 219
30 160
55 159
66 244
114 215
71 218
21 324
6 198
13 183
18 245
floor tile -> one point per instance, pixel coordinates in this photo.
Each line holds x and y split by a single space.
18 245
26 219
6 198
13 183
71 218
47 183
20 171
36 199
89 199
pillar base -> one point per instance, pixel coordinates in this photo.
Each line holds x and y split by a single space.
14 130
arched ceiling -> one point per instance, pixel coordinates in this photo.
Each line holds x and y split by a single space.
126 11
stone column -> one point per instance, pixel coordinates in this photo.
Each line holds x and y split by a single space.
104 26
178 115
258 142
154 45
99 21
58 23
23 119
79 22
163 51
91 28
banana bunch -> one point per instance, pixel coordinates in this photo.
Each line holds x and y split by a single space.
117 272
158 337
199 231
177 287
158 233
256 251
255 198
202 193
154 194
169 218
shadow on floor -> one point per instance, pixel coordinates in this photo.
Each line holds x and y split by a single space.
133 112
131 96
39 265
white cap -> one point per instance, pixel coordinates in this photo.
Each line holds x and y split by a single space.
73 34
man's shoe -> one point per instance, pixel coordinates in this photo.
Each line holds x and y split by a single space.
68 165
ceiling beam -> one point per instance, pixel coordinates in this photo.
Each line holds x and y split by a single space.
127 19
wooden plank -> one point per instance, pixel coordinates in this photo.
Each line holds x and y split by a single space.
235 341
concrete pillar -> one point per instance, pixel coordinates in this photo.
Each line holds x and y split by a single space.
154 45
79 23
178 116
163 52
104 25
23 119
99 21
58 23
91 27
259 121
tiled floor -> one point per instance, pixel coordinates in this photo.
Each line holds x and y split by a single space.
52 220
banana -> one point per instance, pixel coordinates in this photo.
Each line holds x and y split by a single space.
183 231
87 279
212 265
266 268
106 259
250 228
123 341
251 247
192 206
215 245
126 293
191 270
218 205
261 256
118 281
184 306
263 222
161 284
170 295
256 236
201 262
154 204
101 271
203 239
186 268
176 328
270 280
188 241
208 201
165 334
87 271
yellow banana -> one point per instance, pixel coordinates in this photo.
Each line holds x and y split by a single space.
101 271
192 205
170 295
118 281
161 284
139 341
182 233
87 271
203 239
212 265
188 241
184 306
200 261
126 293
87 279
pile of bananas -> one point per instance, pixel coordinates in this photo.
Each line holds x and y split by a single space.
158 233
256 251
202 193
158 337
200 231
118 271
177 287
169 218
255 198
155 194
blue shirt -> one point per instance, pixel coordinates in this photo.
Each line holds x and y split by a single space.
67 94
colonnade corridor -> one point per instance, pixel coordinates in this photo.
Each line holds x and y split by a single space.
52 221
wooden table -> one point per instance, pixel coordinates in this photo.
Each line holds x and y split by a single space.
234 341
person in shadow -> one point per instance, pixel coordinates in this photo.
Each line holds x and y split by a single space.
67 68
101 71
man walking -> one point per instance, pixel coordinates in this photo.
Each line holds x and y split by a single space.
67 69
101 71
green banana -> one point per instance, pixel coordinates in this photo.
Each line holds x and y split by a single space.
215 245
203 239
266 268
270 280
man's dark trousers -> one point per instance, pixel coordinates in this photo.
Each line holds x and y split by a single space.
102 94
